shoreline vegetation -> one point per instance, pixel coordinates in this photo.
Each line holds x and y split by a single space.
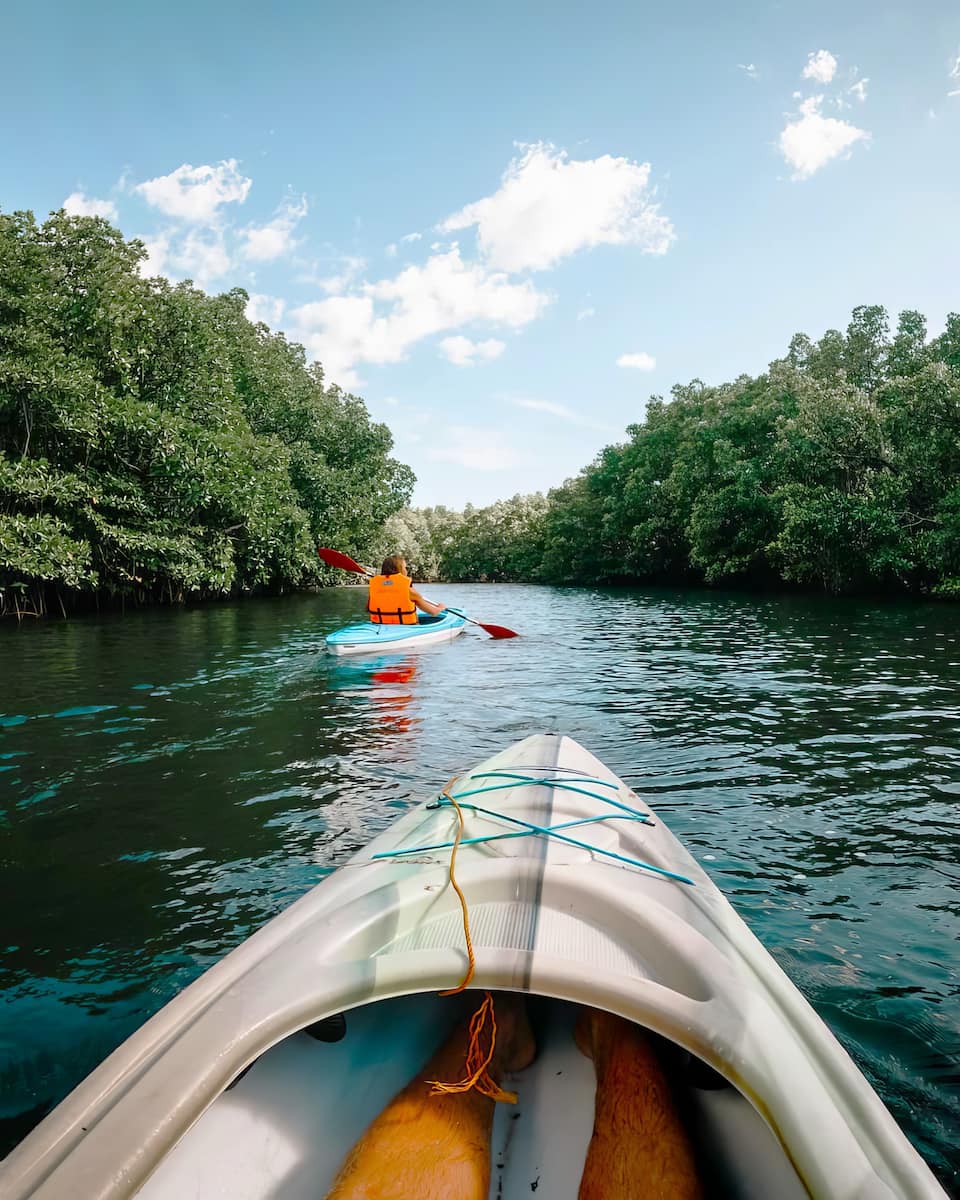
835 471
156 446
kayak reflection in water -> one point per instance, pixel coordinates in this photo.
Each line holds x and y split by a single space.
392 599
392 695
438 1147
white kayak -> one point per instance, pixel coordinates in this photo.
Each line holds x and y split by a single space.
608 909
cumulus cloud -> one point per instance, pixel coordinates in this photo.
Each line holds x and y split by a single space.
748 69
476 448
79 205
821 66
268 309
351 267
158 250
463 353
859 89
381 321
640 361
549 207
586 313
810 140
196 193
198 256
264 243
411 237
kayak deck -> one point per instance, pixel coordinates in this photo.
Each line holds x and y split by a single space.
285 1128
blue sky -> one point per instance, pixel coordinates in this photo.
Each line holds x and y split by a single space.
506 226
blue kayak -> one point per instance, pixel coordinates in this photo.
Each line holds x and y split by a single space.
367 638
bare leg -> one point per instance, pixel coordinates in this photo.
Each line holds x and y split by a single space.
437 1147
639 1149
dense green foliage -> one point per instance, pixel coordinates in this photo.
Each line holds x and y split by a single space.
496 543
154 444
838 469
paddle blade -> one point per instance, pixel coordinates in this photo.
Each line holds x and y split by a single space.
333 558
497 631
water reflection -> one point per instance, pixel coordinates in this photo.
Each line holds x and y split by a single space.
386 683
392 698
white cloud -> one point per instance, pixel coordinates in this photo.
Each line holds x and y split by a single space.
859 89
956 93
464 353
268 309
547 406
821 66
351 267
411 237
381 321
79 205
640 361
202 257
476 449
391 250
196 193
748 69
549 207
586 313
264 243
560 411
199 257
158 249
810 140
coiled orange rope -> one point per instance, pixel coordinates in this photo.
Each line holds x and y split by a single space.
478 1060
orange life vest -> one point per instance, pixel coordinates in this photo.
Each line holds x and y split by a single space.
389 602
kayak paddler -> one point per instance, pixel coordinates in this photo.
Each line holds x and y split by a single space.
392 599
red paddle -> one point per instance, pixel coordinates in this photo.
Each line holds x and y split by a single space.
334 558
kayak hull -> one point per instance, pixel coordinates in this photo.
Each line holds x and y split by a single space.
368 638
572 917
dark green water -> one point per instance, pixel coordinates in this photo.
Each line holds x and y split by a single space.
171 779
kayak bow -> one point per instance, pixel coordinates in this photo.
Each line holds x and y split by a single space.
579 895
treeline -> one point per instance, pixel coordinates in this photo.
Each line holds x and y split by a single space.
838 469
154 444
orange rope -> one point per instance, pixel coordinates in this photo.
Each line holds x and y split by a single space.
477 1060
465 982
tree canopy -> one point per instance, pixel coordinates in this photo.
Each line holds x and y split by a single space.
154 443
838 469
